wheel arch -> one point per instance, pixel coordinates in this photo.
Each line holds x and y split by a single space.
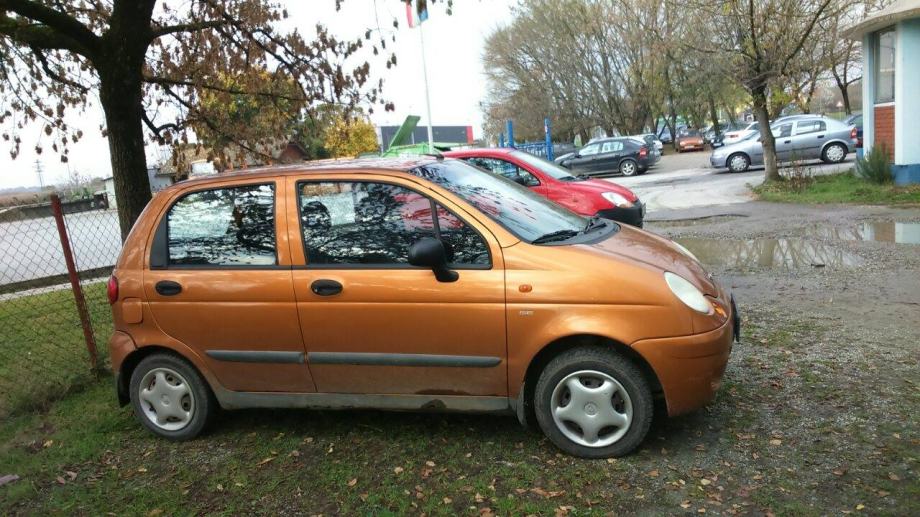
728 159
546 354
832 142
130 362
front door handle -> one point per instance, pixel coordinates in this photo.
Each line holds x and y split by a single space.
325 287
787 141
820 136
168 287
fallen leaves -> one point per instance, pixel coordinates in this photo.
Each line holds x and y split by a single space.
398 470
776 441
352 482
265 461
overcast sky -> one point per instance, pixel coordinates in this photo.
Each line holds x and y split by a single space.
453 47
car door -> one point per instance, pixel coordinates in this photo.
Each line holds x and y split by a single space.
584 162
219 281
608 160
373 324
782 135
808 138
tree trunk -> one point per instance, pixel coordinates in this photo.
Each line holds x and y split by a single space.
122 101
759 95
714 114
844 91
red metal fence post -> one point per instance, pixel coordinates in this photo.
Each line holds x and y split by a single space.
75 282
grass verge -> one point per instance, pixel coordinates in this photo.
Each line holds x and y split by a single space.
839 188
787 434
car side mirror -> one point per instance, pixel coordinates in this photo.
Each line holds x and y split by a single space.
429 252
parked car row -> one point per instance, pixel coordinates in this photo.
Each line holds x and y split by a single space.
798 137
625 155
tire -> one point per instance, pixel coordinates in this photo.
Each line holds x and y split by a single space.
178 409
834 153
738 162
627 393
629 167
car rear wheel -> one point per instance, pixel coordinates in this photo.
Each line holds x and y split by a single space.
593 403
170 398
738 162
834 153
629 167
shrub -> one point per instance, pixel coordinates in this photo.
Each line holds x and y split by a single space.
875 167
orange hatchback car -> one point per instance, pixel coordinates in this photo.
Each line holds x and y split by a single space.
409 285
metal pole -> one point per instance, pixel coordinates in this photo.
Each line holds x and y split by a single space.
549 139
501 140
510 129
75 282
421 38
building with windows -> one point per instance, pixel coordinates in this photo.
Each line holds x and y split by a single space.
891 84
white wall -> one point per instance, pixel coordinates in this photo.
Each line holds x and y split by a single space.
907 93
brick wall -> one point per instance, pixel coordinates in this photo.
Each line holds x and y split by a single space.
884 128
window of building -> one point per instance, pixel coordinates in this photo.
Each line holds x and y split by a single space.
885 43
375 224
230 226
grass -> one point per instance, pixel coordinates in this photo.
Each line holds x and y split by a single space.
767 444
43 353
839 188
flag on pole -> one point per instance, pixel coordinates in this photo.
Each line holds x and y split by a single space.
416 12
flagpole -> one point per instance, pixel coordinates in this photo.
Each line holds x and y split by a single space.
421 38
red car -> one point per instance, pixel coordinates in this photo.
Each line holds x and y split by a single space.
580 194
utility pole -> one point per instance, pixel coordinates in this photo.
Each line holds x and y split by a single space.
39 171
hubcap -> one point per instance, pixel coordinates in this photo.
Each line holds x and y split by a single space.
166 399
738 163
629 168
835 153
591 408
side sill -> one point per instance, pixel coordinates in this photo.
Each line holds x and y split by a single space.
448 403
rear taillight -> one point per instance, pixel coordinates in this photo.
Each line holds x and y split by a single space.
643 152
853 133
112 289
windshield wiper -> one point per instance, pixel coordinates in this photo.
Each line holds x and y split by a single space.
595 222
558 235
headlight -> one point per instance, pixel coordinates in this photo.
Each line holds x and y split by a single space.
685 251
617 199
687 293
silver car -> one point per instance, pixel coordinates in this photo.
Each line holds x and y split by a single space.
797 139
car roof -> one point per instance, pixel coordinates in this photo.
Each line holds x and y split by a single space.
369 165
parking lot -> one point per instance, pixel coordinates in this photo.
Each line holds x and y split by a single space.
685 180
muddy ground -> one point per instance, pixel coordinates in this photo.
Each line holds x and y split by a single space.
818 413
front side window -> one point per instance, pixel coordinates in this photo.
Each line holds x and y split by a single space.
588 150
506 169
885 49
546 167
782 131
233 226
375 224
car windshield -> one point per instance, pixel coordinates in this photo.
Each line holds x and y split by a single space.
518 209
545 166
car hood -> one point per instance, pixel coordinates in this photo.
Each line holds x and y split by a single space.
598 187
656 251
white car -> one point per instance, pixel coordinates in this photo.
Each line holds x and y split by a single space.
654 138
731 137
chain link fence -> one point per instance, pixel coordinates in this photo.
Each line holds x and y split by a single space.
53 308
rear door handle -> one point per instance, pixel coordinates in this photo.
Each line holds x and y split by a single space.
168 288
325 287
787 141
820 136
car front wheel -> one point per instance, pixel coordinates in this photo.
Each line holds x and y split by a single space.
593 403
170 398
738 162
834 153
629 168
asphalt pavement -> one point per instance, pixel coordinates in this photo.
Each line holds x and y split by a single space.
685 180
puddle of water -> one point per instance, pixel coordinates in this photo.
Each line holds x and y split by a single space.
880 231
767 253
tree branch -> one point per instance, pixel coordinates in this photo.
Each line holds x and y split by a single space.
186 27
68 32
43 60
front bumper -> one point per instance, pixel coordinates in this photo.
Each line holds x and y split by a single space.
690 368
634 215
717 163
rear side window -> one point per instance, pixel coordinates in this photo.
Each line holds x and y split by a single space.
233 226
810 126
374 224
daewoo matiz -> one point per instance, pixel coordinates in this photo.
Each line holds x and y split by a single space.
409 285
